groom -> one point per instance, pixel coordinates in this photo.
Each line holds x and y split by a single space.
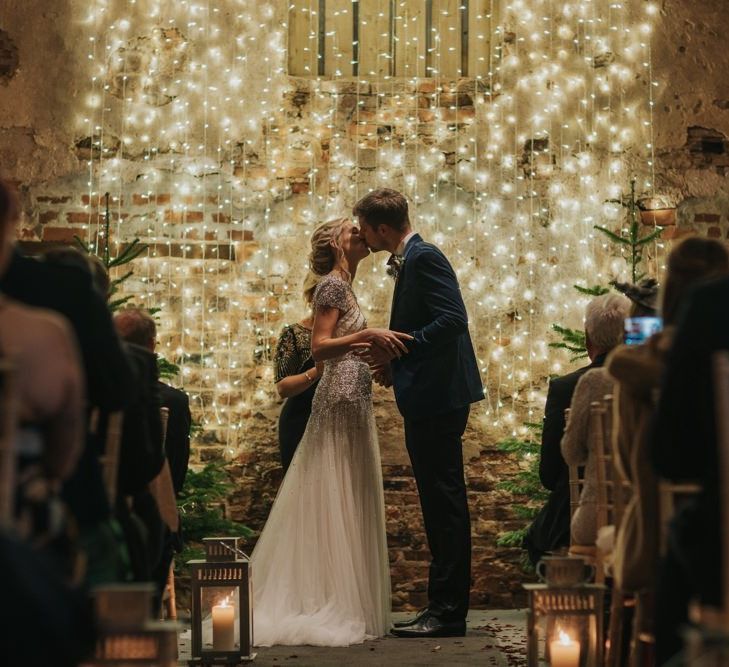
435 384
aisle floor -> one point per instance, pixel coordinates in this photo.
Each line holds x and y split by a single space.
496 638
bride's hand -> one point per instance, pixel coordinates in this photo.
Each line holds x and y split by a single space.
389 341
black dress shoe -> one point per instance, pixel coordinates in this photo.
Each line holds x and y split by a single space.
431 626
415 619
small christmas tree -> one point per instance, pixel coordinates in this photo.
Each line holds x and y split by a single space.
631 244
201 504
101 249
525 485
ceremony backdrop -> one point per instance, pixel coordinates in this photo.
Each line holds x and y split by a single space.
225 130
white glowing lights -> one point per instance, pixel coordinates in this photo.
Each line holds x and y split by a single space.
189 102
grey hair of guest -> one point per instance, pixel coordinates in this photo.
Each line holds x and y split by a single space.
605 320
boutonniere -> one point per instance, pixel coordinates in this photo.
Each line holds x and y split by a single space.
394 264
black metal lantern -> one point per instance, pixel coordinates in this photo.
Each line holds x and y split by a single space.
222 623
565 622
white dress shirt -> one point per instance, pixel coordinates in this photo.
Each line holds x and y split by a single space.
400 250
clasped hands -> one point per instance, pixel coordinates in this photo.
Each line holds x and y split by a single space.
379 348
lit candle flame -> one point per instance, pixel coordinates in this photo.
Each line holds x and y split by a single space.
225 603
564 638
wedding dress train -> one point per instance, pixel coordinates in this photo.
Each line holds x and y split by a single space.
320 569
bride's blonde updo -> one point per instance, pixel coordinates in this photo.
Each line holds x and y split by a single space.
326 252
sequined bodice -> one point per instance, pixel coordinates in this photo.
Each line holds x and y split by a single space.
345 378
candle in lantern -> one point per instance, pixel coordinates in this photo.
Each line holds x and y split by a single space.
564 652
224 626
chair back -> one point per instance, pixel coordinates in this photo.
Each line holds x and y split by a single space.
576 480
110 459
164 417
604 506
721 410
8 425
161 487
671 495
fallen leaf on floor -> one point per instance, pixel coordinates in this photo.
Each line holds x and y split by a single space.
436 648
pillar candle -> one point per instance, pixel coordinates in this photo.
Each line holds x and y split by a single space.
564 652
223 627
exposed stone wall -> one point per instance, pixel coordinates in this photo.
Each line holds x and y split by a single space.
205 235
692 115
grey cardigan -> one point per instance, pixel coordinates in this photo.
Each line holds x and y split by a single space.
577 450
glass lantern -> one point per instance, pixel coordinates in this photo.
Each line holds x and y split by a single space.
222 623
127 633
564 625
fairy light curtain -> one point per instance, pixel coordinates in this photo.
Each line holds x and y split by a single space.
225 130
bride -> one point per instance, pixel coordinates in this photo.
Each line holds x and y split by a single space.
320 569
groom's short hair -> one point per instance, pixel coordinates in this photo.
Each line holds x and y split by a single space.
383 207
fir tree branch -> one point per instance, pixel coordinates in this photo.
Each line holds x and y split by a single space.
595 290
651 237
131 252
612 235
87 248
118 281
118 303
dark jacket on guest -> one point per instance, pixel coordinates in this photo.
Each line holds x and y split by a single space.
109 380
141 457
142 453
551 527
177 443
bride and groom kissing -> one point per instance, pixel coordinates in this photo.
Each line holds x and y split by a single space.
320 569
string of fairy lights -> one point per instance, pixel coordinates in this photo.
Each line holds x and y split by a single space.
225 130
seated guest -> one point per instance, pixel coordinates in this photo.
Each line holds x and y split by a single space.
72 256
684 449
108 377
141 453
551 528
48 388
637 371
604 327
296 378
137 327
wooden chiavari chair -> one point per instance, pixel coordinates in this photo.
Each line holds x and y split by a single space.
8 425
128 635
163 491
613 491
112 443
590 553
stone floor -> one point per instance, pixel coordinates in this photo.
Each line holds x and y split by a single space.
494 639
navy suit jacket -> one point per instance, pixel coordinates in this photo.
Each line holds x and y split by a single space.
440 373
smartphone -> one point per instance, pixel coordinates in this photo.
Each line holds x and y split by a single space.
640 329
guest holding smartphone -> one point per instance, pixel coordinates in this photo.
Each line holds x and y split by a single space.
637 371
296 378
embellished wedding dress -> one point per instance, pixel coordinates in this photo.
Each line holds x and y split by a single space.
320 569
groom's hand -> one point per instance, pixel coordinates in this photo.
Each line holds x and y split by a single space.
382 375
377 356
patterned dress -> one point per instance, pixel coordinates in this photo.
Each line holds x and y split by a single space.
293 356
320 569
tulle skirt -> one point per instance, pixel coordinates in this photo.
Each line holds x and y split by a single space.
320 569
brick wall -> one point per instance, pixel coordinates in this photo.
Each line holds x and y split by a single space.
212 228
